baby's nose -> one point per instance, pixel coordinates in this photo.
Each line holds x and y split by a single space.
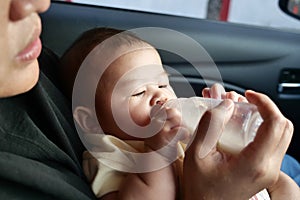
161 101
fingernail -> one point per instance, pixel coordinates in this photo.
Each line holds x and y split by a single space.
249 92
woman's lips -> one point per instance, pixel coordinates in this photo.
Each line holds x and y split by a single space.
31 51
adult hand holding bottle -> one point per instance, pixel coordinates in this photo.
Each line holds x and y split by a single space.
211 174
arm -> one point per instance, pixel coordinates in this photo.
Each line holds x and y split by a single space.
157 184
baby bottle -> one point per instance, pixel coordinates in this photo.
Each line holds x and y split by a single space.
239 131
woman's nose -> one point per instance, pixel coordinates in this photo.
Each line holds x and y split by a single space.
20 9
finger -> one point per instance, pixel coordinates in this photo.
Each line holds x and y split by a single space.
233 96
206 92
264 104
210 128
271 130
242 99
217 91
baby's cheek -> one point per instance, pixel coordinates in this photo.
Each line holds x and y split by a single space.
140 116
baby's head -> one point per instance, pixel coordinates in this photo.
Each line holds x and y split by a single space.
133 82
74 56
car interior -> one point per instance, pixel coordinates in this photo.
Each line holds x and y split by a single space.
247 57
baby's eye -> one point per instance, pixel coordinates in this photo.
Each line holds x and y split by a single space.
138 94
162 86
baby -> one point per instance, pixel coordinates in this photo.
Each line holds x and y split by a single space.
133 156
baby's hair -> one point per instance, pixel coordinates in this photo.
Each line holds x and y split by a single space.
84 44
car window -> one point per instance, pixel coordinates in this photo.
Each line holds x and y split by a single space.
188 8
252 12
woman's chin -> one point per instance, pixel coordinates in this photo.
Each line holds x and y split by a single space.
32 78
22 83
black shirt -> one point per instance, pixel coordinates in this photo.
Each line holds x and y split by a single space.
40 150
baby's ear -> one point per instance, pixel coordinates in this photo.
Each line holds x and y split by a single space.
86 119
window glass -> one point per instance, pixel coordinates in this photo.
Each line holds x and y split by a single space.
253 12
188 8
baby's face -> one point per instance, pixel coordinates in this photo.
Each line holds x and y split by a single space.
131 86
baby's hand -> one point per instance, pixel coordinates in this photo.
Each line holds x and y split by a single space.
171 132
217 91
